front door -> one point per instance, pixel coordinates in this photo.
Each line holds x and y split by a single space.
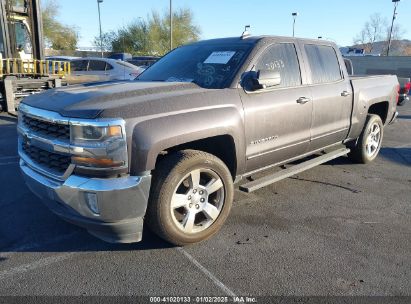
277 119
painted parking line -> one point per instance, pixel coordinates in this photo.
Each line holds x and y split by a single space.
8 163
34 265
8 157
204 270
32 246
39 263
9 160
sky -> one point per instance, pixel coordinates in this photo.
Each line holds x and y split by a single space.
339 21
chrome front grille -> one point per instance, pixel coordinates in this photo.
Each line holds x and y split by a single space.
55 162
46 128
46 147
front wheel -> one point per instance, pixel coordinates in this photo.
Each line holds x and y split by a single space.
369 142
190 198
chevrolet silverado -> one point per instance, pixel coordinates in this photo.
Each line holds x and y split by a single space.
167 148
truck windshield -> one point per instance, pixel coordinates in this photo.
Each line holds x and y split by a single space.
209 66
23 40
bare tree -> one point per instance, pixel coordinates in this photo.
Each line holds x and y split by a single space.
372 32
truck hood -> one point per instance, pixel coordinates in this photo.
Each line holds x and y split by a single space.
90 101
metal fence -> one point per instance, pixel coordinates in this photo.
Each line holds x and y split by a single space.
33 67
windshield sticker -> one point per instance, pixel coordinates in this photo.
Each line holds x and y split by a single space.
219 57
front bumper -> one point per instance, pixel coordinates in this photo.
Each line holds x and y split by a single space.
121 202
394 117
403 99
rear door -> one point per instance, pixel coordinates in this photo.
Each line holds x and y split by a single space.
97 67
79 67
332 95
277 125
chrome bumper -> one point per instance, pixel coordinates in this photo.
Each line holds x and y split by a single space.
118 207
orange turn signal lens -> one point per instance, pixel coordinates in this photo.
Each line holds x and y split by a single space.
114 131
96 162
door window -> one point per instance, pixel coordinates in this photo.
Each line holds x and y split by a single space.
282 58
323 63
79 65
97 65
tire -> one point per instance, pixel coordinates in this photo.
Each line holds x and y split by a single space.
368 145
190 197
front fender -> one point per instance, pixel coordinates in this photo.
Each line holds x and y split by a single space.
154 135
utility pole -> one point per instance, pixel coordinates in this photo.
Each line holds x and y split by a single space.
171 25
392 25
101 33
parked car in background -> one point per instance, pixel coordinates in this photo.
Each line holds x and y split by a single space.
105 68
61 58
143 61
120 56
58 62
405 86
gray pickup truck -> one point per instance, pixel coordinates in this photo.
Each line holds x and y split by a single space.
168 148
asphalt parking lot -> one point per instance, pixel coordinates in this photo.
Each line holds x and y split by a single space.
338 229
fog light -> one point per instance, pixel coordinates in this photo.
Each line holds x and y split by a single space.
92 202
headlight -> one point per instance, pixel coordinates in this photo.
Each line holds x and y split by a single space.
93 133
99 146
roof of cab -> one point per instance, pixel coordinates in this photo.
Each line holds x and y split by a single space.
256 39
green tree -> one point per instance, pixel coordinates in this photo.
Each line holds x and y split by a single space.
57 35
133 39
106 39
152 36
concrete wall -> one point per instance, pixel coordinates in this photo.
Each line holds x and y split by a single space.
370 65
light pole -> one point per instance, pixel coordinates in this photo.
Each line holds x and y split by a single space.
392 25
101 33
295 17
171 25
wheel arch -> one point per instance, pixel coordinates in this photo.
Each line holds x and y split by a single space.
381 109
217 132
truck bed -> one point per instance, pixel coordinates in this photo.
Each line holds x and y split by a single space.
369 90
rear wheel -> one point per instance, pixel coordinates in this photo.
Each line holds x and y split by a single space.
191 197
369 142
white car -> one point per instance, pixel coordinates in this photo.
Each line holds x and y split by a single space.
108 69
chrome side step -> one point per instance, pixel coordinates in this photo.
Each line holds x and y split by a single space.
285 173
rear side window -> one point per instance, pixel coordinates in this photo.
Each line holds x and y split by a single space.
323 63
97 65
282 58
79 65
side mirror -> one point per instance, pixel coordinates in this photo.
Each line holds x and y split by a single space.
254 81
267 78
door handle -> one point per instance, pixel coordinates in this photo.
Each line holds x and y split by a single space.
345 94
303 100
